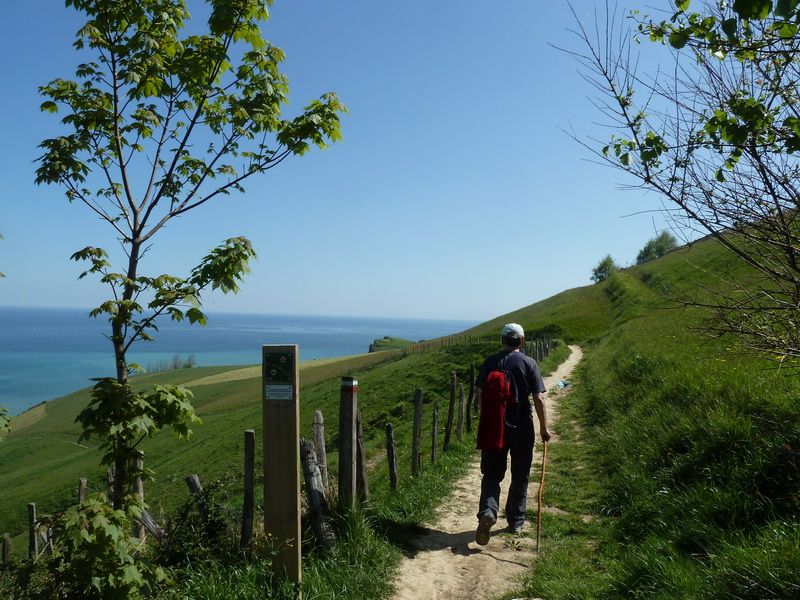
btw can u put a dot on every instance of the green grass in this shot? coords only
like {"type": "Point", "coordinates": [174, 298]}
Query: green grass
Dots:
{"type": "Point", "coordinates": [576, 315]}
{"type": "Point", "coordinates": [697, 446]}
{"type": "Point", "coordinates": [684, 451]}
{"type": "Point", "coordinates": [677, 474]}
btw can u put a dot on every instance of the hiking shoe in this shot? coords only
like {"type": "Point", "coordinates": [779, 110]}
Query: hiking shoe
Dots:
{"type": "Point", "coordinates": [514, 528]}
{"type": "Point", "coordinates": [484, 527]}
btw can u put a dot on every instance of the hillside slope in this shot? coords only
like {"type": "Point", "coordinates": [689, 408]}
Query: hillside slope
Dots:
{"type": "Point", "coordinates": [695, 446]}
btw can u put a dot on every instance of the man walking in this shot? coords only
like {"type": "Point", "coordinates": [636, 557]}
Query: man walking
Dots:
{"type": "Point", "coordinates": [512, 434]}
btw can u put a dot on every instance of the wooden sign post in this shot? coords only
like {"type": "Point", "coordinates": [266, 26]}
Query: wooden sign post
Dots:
{"type": "Point", "coordinates": [281, 408]}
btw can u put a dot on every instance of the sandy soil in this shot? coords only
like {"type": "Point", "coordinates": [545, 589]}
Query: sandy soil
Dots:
{"type": "Point", "coordinates": [447, 564]}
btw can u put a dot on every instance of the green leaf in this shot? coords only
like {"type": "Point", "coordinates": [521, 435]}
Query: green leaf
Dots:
{"type": "Point", "coordinates": [787, 30]}
{"type": "Point", "coordinates": [785, 8]}
{"type": "Point", "coordinates": [752, 9]}
{"type": "Point", "coordinates": [682, 5]}
{"type": "Point", "coordinates": [679, 38]}
{"type": "Point", "coordinates": [730, 27]}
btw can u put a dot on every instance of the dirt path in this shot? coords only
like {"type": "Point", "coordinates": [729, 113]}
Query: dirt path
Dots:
{"type": "Point", "coordinates": [448, 564]}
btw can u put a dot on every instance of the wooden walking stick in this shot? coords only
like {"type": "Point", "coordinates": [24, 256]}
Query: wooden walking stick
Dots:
{"type": "Point", "coordinates": [539, 510]}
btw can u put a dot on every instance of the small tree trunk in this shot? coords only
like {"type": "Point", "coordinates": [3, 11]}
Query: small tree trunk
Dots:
{"type": "Point", "coordinates": [391, 456]}
{"type": "Point", "coordinates": [415, 452]}
{"type": "Point", "coordinates": [138, 489]}
{"type": "Point", "coordinates": [248, 504]}
{"type": "Point", "coordinates": [317, 501]}
{"type": "Point", "coordinates": [6, 548]}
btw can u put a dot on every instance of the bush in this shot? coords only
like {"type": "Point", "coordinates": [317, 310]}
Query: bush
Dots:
{"type": "Point", "coordinates": [603, 269]}
{"type": "Point", "coordinates": [657, 247]}
{"type": "Point", "coordinates": [97, 557]}
{"type": "Point", "coordinates": [199, 530]}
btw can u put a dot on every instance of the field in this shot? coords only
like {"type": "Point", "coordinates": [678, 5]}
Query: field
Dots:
{"type": "Point", "coordinates": [677, 475]}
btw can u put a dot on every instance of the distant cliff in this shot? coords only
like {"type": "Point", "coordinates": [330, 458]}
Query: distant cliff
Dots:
{"type": "Point", "coordinates": [389, 343]}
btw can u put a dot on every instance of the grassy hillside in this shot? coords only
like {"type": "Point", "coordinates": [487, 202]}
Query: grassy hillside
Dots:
{"type": "Point", "coordinates": [698, 487]}
{"type": "Point", "coordinates": [228, 401]}
{"type": "Point", "coordinates": [41, 461]}
{"type": "Point", "coordinates": [678, 471]}
{"type": "Point", "coordinates": [577, 315]}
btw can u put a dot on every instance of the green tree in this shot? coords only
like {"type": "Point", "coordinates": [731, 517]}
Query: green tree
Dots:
{"type": "Point", "coordinates": [657, 247]}
{"type": "Point", "coordinates": [717, 135]}
{"type": "Point", "coordinates": [603, 270]}
{"type": "Point", "coordinates": [157, 123]}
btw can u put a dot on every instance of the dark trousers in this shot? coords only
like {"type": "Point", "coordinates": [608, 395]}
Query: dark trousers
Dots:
{"type": "Point", "coordinates": [519, 443]}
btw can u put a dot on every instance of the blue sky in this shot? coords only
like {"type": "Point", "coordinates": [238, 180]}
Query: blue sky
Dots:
{"type": "Point", "coordinates": [454, 194]}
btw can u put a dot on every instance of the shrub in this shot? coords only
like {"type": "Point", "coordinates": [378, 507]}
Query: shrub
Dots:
{"type": "Point", "coordinates": [657, 247]}
{"type": "Point", "coordinates": [603, 269]}
{"type": "Point", "coordinates": [96, 555]}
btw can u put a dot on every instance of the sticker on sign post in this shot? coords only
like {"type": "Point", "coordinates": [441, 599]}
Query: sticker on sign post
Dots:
{"type": "Point", "coordinates": [278, 391]}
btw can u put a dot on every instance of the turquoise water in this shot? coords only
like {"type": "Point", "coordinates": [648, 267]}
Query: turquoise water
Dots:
{"type": "Point", "coordinates": [47, 353]}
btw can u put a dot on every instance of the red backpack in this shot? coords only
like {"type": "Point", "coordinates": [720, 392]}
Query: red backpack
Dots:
{"type": "Point", "coordinates": [498, 397]}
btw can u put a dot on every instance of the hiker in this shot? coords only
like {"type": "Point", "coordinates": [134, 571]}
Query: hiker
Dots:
{"type": "Point", "coordinates": [506, 426]}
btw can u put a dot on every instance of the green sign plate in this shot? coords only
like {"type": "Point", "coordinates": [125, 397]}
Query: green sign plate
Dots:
{"type": "Point", "coordinates": [278, 368]}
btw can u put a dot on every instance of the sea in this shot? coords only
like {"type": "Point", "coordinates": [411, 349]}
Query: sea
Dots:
{"type": "Point", "coordinates": [46, 353]}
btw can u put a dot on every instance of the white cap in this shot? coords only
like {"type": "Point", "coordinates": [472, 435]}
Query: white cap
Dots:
{"type": "Point", "coordinates": [512, 330]}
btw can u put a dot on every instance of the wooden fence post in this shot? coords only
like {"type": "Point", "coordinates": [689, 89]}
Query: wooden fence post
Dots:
{"type": "Point", "coordinates": [196, 489]}
{"type": "Point", "coordinates": [460, 428]}
{"type": "Point", "coordinates": [248, 503]}
{"type": "Point", "coordinates": [362, 481]}
{"type": "Point", "coordinates": [348, 404]}
{"type": "Point", "coordinates": [6, 548]}
{"type": "Point", "coordinates": [417, 432]}
{"type": "Point", "coordinates": [450, 411]}
{"type": "Point", "coordinates": [33, 541]}
{"type": "Point", "coordinates": [48, 541]}
{"type": "Point", "coordinates": [150, 525]}
{"type": "Point", "coordinates": [435, 431]}
{"type": "Point", "coordinates": [470, 399]}
{"type": "Point", "coordinates": [391, 456]}
{"type": "Point", "coordinates": [138, 490]}
{"type": "Point", "coordinates": [82, 483]}
{"type": "Point", "coordinates": [317, 502]}
{"type": "Point", "coordinates": [473, 404]}
{"type": "Point", "coordinates": [319, 447]}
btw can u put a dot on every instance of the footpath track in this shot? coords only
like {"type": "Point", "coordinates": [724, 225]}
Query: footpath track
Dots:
{"type": "Point", "coordinates": [446, 563]}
